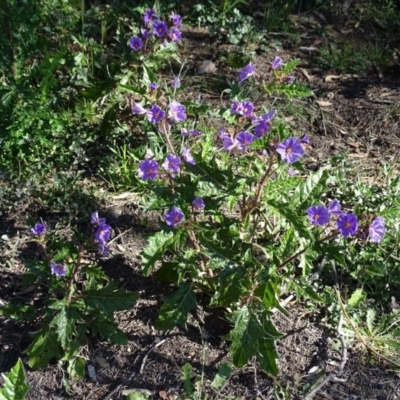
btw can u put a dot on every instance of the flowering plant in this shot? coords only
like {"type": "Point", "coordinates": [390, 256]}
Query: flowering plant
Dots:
{"type": "Point", "coordinates": [81, 298]}
{"type": "Point", "coordinates": [157, 38]}
{"type": "Point", "coordinates": [241, 220]}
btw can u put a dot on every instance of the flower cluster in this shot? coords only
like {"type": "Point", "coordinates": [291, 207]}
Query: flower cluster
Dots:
{"type": "Point", "coordinates": [103, 233]}
{"type": "Point", "coordinates": [346, 223]}
{"type": "Point", "coordinates": [156, 115]}
{"type": "Point", "coordinates": [59, 270]}
{"type": "Point", "coordinates": [155, 27]}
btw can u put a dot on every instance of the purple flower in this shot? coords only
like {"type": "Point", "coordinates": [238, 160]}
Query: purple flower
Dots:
{"type": "Point", "coordinates": [184, 132]}
{"type": "Point", "coordinates": [261, 129]}
{"type": "Point", "coordinates": [138, 109]}
{"type": "Point", "coordinates": [171, 163]}
{"type": "Point", "coordinates": [155, 114]}
{"type": "Point", "coordinates": [177, 111]}
{"type": "Point", "coordinates": [175, 34]}
{"type": "Point", "coordinates": [318, 215]}
{"type": "Point", "coordinates": [153, 86]}
{"type": "Point", "coordinates": [222, 133]}
{"type": "Point", "coordinates": [229, 143]}
{"type": "Point", "coordinates": [146, 34]}
{"type": "Point", "coordinates": [246, 72]}
{"type": "Point", "coordinates": [176, 83]}
{"type": "Point", "coordinates": [187, 156]}
{"type": "Point", "coordinates": [244, 139]}
{"type": "Point", "coordinates": [377, 230]}
{"type": "Point", "coordinates": [38, 229]}
{"type": "Point", "coordinates": [255, 119]}
{"type": "Point", "coordinates": [335, 208]}
{"type": "Point", "coordinates": [176, 19]}
{"type": "Point", "coordinates": [268, 116]}
{"type": "Point", "coordinates": [195, 132]}
{"type": "Point", "coordinates": [289, 79]}
{"type": "Point", "coordinates": [174, 216]}
{"type": "Point", "coordinates": [198, 203]}
{"type": "Point", "coordinates": [136, 43]}
{"type": "Point", "coordinates": [247, 108]}
{"type": "Point", "coordinates": [277, 63]}
{"type": "Point", "coordinates": [304, 139]}
{"type": "Point", "coordinates": [236, 107]}
{"type": "Point", "coordinates": [149, 16]}
{"type": "Point", "coordinates": [290, 150]}
{"type": "Point", "coordinates": [103, 233]}
{"type": "Point", "coordinates": [347, 224]}
{"type": "Point", "coordinates": [293, 172]}
{"type": "Point", "coordinates": [95, 220]}
{"type": "Point", "coordinates": [58, 269]}
{"type": "Point", "coordinates": [148, 169]}
{"type": "Point", "coordinates": [103, 249]}
{"type": "Point", "coordinates": [160, 28]}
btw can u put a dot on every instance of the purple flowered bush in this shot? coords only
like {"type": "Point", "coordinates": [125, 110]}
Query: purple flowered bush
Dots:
{"type": "Point", "coordinates": [156, 30]}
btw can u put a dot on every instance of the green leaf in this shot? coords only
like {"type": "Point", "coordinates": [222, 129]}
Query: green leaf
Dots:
{"type": "Point", "coordinates": [222, 375]}
{"type": "Point", "coordinates": [254, 335]}
{"type": "Point", "coordinates": [233, 283]}
{"type": "Point", "coordinates": [76, 367]}
{"type": "Point", "coordinates": [209, 171]}
{"type": "Point", "coordinates": [237, 253]}
{"type": "Point", "coordinates": [187, 373]}
{"type": "Point", "coordinates": [18, 312]}
{"type": "Point", "coordinates": [43, 348]}
{"type": "Point", "coordinates": [65, 321]}
{"type": "Point", "coordinates": [356, 298]}
{"type": "Point", "coordinates": [108, 299]}
{"type": "Point", "coordinates": [267, 292]}
{"type": "Point", "coordinates": [137, 396]}
{"type": "Point", "coordinates": [290, 215]}
{"type": "Point", "coordinates": [15, 387]}
{"type": "Point", "coordinates": [169, 272]}
{"type": "Point", "coordinates": [176, 307]}
{"type": "Point", "coordinates": [109, 330]}
{"type": "Point", "coordinates": [309, 191]}
{"type": "Point", "coordinates": [94, 271]}
{"type": "Point", "coordinates": [156, 248]}
{"type": "Point", "coordinates": [148, 75]}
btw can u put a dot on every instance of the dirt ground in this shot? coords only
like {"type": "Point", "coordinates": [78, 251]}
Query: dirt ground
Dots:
{"type": "Point", "coordinates": [354, 113]}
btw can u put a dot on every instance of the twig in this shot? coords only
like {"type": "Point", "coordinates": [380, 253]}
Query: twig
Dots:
{"type": "Point", "coordinates": [118, 236]}
{"type": "Point", "coordinates": [125, 381]}
{"type": "Point", "coordinates": [150, 351]}
{"type": "Point", "coordinates": [333, 375]}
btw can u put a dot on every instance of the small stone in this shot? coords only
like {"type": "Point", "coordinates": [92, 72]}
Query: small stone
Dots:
{"type": "Point", "coordinates": [207, 67]}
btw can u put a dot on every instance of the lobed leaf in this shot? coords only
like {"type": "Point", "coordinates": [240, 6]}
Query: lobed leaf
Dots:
{"type": "Point", "coordinates": [254, 335]}
{"type": "Point", "coordinates": [158, 244]}
{"type": "Point", "coordinates": [15, 387]}
{"type": "Point", "coordinates": [108, 299]}
{"type": "Point", "coordinates": [310, 191]}
{"type": "Point", "coordinates": [176, 307]}
{"type": "Point", "coordinates": [43, 348]}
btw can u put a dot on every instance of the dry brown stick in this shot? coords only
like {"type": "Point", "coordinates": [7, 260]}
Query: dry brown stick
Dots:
{"type": "Point", "coordinates": [339, 370]}
{"type": "Point", "coordinates": [108, 397]}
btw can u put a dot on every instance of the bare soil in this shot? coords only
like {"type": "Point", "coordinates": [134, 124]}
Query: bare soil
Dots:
{"type": "Point", "coordinates": [357, 114]}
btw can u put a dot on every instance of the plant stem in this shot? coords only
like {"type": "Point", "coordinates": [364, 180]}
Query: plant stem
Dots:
{"type": "Point", "coordinates": [299, 253]}
{"type": "Point", "coordinates": [167, 138]}
{"type": "Point", "coordinates": [261, 185]}
{"type": "Point", "coordinates": [72, 277]}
